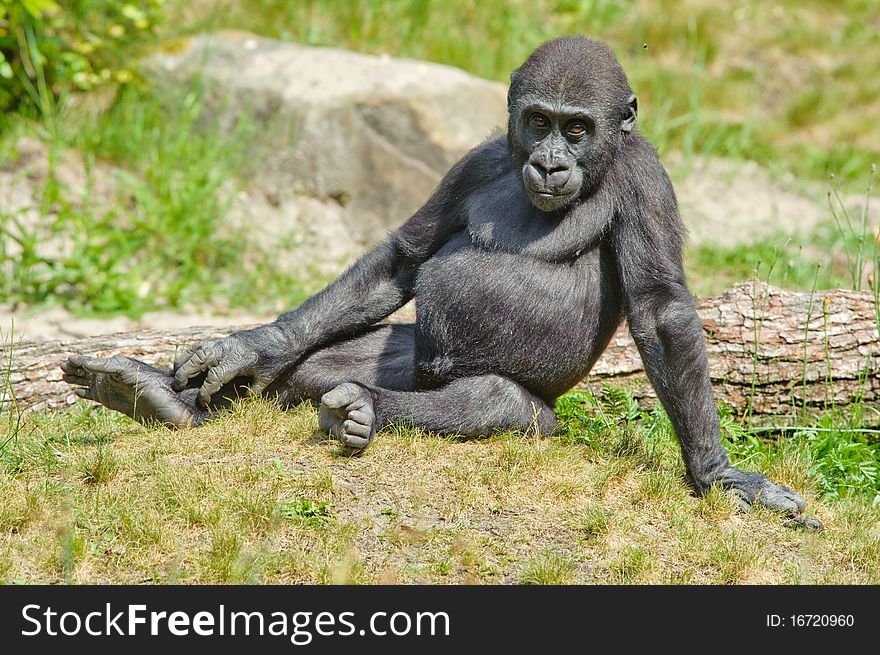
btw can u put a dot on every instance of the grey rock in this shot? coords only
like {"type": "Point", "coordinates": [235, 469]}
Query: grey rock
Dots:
{"type": "Point", "coordinates": [372, 133]}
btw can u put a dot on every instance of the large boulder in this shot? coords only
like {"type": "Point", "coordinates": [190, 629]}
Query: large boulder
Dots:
{"type": "Point", "coordinates": [373, 133]}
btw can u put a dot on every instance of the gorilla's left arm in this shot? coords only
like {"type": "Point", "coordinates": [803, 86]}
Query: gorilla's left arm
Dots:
{"type": "Point", "coordinates": [377, 284]}
{"type": "Point", "coordinates": [647, 234]}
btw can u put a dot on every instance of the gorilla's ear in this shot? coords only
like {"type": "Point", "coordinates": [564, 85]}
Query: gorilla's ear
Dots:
{"type": "Point", "coordinates": [632, 112]}
{"type": "Point", "coordinates": [513, 80]}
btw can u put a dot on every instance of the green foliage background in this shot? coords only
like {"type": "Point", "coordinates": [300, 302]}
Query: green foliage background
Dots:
{"type": "Point", "coordinates": [49, 49]}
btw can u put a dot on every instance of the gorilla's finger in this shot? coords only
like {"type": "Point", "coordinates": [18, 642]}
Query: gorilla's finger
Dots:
{"type": "Point", "coordinates": [70, 371]}
{"type": "Point", "coordinates": [202, 359]}
{"type": "Point", "coordinates": [779, 498]}
{"type": "Point", "coordinates": [75, 360]}
{"type": "Point", "coordinates": [353, 441]}
{"type": "Point", "coordinates": [182, 355]}
{"type": "Point", "coordinates": [741, 499]}
{"type": "Point", "coordinates": [216, 378]}
{"type": "Point", "coordinates": [69, 367]}
{"type": "Point", "coordinates": [85, 393]}
{"type": "Point", "coordinates": [185, 354]}
{"type": "Point", "coordinates": [357, 429]}
{"type": "Point", "coordinates": [97, 365]}
{"type": "Point", "coordinates": [75, 379]}
{"type": "Point", "coordinates": [259, 384]}
{"type": "Point", "coordinates": [809, 523]}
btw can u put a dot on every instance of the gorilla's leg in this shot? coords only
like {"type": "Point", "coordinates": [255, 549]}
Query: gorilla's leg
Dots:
{"type": "Point", "coordinates": [136, 389]}
{"type": "Point", "coordinates": [380, 356]}
{"type": "Point", "coordinates": [474, 406]}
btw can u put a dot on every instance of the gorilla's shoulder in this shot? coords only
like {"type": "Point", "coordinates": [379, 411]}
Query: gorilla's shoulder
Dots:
{"type": "Point", "coordinates": [637, 168]}
{"type": "Point", "coordinates": [638, 154]}
{"type": "Point", "coordinates": [489, 159]}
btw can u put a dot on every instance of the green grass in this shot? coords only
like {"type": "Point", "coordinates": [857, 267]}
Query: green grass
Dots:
{"type": "Point", "coordinates": [813, 261]}
{"type": "Point", "coordinates": [548, 568]}
{"type": "Point", "coordinates": [158, 241]}
{"type": "Point", "coordinates": [254, 497]}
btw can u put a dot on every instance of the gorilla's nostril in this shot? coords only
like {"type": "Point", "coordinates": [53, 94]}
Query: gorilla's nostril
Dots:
{"type": "Point", "coordinates": [535, 175]}
{"type": "Point", "coordinates": [540, 170]}
{"type": "Point", "coordinates": [558, 177]}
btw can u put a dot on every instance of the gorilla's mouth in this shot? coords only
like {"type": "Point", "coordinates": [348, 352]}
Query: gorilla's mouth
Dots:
{"type": "Point", "coordinates": [548, 197]}
{"type": "Point", "coordinates": [547, 200]}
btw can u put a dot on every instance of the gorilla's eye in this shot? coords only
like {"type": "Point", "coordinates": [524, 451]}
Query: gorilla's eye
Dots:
{"type": "Point", "coordinates": [576, 128]}
{"type": "Point", "coordinates": [539, 121]}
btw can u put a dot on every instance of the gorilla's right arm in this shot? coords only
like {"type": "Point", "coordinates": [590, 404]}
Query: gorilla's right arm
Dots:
{"type": "Point", "coordinates": [377, 284]}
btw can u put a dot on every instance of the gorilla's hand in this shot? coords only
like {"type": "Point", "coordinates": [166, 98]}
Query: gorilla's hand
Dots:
{"type": "Point", "coordinates": [749, 488]}
{"type": "Point", "coordinates": [260, 354]}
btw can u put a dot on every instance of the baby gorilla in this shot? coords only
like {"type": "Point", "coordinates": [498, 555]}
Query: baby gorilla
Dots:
{"type": "Point", "coordinates": [524, 261]}
{"type": "Point", "coordinates": [146, 394]}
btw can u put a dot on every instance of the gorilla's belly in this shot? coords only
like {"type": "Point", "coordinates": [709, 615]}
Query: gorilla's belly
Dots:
{"type": "Point", "coordinates": [539, 323]}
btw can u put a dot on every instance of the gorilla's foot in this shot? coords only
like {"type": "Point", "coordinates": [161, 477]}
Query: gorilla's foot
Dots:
{"type": "Point", "coordinates": [136, 389]}
{"type": "Point", "coordinates": [347, 413]}
{"type": "Point", "coordinates": [749, 488]}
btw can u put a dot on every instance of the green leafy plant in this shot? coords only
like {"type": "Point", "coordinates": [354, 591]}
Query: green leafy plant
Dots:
{"type": "Point", "coordinates": [156, 243]}
{"type": "Point", "coordinates": [308, 512]}
{"type": "Point", "coordinates": [49, 48]}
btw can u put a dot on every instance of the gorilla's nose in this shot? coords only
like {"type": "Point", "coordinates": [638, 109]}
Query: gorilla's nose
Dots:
{"type": "Point", "coordinates": [551, 178]}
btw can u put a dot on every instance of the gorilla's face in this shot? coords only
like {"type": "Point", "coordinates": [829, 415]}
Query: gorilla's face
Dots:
{"type": "Point", "coordinates": [557, 139]}
{"type": "Point", "coordinates": [570, 107]}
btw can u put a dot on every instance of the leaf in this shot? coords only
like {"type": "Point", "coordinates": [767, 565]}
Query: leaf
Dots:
{"type": "Point", "coordinates": [36, 7]}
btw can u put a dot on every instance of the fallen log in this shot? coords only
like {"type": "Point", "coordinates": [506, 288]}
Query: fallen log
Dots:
{"type": "Point", "coordinates": [771, 352]}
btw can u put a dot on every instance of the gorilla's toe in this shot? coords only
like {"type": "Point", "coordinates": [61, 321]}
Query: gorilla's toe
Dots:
{"type": "Point", "coordinates": [342, 396]}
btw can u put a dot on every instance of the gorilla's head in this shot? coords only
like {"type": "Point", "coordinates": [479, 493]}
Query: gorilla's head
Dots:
{"type": "Point", "coordinates": [570, 108]}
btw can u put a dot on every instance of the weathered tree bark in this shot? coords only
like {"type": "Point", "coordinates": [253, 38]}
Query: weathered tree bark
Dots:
{"type": "Point", "coordinates": [772, 352]}
{"type": "Point", "coordinates": [776, 353]}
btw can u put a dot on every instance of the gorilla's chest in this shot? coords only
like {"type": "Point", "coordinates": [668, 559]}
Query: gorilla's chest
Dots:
{"type": "Point", "coordinates": [493, 285]}
{"type": "Point", "coordinates": [500, 218]}
{"type": "Point", "coordinates": [515, 266]}
{"type": "Point", "coordinates": [481, 310]}
{"type": "Point", "coordinates": [518, 292]}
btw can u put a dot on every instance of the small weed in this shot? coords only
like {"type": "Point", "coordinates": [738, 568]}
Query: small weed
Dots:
{"type": "Point", "coordinates": [307, 512]}
{"type": "Point", "coordinates": [72, 548]}
{"type": "Point", "coordinates": [734, 557]}
{"type": "Point", "coordinates": [20, 507]}
{"type": "Point", "coordinates": [592, 524]}
{"type": "Point", "coordinates": [99, 467]}
{"type": "Point", "coordinates": [629, 566]}
{"type": "Point", "coordinates": [223, 553]}
{"type": "Point", "coordinates": [548, 568]}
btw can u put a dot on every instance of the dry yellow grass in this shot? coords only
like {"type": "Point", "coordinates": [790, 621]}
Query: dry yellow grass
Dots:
{"type": "Point", "coordinates": [257, 496]}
